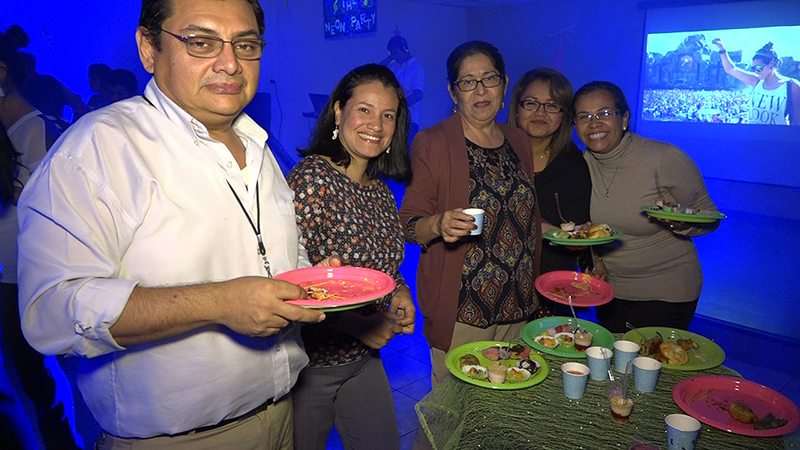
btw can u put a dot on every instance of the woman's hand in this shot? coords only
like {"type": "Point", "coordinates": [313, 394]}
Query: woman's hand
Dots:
{"type": "Point", "coordinates": [718, 43]}
{"type": "Point", "coordinates": [401, 310]}
{"type": "Point", "coordinates": [455, 224]}
{"type": "Point", "coordinates": [599, 270]}
{"type": "Point", "coordinates": [375, 331]}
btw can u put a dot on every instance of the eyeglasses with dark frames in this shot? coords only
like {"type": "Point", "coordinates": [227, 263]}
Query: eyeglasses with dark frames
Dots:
{"type": "Point", "coordinates": [202, 46]}
{"type": "Point", "coordinates": [758, 68]}
{"type": "Point", "coordinates": [602, 115]}
{"type": "Point", "coordinates": [487, 82]}
{"type": "Point", "coordinates": [533, 106]}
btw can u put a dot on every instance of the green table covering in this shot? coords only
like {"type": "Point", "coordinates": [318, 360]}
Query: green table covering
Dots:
{"type": "Point", "coordinates": [459, 415]}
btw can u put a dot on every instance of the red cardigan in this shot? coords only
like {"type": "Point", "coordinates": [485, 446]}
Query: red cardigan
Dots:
{"type": "Point", "coordinates": [440, 183]}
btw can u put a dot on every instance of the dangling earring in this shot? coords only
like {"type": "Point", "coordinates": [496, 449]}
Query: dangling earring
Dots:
{"type": "Point", "coordinates": [335, 133]}
{"type": "Point", "coordinates": [502, 105]}
{"type": "Point", "coordinates": [388, 149]}
{"type": "Point", "coordinates": [455, 108]}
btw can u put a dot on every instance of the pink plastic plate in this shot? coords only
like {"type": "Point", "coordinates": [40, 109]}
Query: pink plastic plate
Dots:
{"type": "Point", "coordinates": [707, 399]}
{"type": "Point", "coordinates": [585, 289]}
{"type": "Point", "coordinates": [347, 287]}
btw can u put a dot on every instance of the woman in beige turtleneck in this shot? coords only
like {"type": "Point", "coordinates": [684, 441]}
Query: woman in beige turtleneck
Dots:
{"type": "Point", "coordinates": [653, 267]}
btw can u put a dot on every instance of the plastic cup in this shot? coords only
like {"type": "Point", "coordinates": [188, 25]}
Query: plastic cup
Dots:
{"type": "Point", "coordinates": [645, 373]}
{"type": "Point", "coordinates": [624, 352]}
{"type": "Point", "coordinates": [477, 213]}
{"type": "Point", "coordinates": [682, 432]}
{"type": "Point", "coordinates": [599, 360]}
{"type": "Point", "coordinates": [621, 408]}
{"type": "Point", "coordinates": [574, 376]}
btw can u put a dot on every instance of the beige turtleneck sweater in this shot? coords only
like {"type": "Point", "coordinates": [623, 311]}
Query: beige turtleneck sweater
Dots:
{"type": "Point", "coordinates": [650, 261]}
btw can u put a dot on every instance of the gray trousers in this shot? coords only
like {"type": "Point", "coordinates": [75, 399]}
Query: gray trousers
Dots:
{"type": "Point", "coordinates": [356, 397]}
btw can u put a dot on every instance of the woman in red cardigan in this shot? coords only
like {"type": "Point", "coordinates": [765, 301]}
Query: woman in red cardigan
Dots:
{"type": "Point", "coordinates": [473, 288]}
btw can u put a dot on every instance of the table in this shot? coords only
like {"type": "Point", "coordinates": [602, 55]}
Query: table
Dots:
{"type": "Point", "coordinates": [458, 415]}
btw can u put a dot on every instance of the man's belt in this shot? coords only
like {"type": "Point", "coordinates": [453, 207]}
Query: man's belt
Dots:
{"type": "Point", "coordinates": [247, 415]}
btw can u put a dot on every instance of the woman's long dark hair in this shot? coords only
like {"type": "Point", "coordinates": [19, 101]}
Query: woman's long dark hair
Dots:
{"type": "Point", "coordinates": [9, 165]}
{"type": "Point", "coordinates": [393, 164]}
{"type": "Point", "coordinates": [560, 91]}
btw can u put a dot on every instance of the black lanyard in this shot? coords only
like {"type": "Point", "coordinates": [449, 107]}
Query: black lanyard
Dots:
{"type": "Point", "coordinates": [256, 229]}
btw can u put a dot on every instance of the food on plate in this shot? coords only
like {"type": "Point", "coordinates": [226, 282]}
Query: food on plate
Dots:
{"type": "Point", "coordinates": [529, 365]}
{"type": "Point", "coordinates": [546, 341]}
{"type": "Point", "coordinates": [599, 231]}
{"type": "Point", "coordinates": [582, 288]}
{"type": "Point", "coordinates": [469, 360]}
{"type": "Point", "coordinates": [688, 344]}
{"type": "Point", "coordinates": [650, 346]}
{"type": "Point", "coordinates": [492, 353]}
{"type": "Point", "coordinates": [517, 375]}
{"type": "Point", "coordinates": [520, 351]}
{"type": "Point", "coordinates": [317, 293]}
{"type": "Point", "coordinates": [476, 372]}
{"type": "Point", "coordinates": [741, 412]}
{"type": "Point", "coordinates": [701, 395]}
{"type": "Point", "coordinates": [671, 207]}
{"type": "Point", "coordinates": [672, 353]}
{"type": "Point", "coordinates": [583, 340]}
{"type": "Point", "coordinates": [770, 422]}
{"type": "Point", "coordinates": [565, 339]}
{"type": "Point", "coordinates": [497, 373]}
{"type": "Point", "coordinates": [583, 231]}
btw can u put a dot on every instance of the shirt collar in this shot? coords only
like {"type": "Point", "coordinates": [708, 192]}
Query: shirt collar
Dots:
{"type": "Point", "coordinates": [243, 124]}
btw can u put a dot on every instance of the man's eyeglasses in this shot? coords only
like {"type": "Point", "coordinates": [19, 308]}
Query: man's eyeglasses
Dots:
{"type": "Point", "coordinates": [533, 105]}
{"type": "Point", "coordinates": [211, 46]}
{"type": "Point", "coordinates": [602, 115]}
{"type": "Point", "coordinates": [487, 82]}
{"type": "Point", "coordinates": [758, 67]}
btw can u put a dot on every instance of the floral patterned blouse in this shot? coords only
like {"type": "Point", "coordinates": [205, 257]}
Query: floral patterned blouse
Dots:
{"type": "Point", "coordinates": [337, 215]}
{"type": "Point", "coordinates": [497, 277]}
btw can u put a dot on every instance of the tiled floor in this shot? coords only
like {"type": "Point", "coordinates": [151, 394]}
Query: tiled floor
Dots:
{"type": "Point", "coordinates": [762, 358]}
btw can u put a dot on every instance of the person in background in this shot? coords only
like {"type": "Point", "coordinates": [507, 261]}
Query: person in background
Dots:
{"type": "Point", "coordinates": [410, 74]}
{"type": "Point", "coordinates": [121, 84]}
{"type": "Point", "coordinates": [30, 135]}
{"type": "Point", "coordinates": [46, 94]}
{"type": "Point", "coordinates": [776, 98]}
{"type": "Point", "coordinates": [15, 430]}
{"type": "Point", "coordinates": [542, 102]}
{"type": "Point", "coordinates": [340, 197]}
{"type": "Point", "coordinates": [653, 267]}
{"type": "Point", "coordinates": [148, 239]}
{"type": "Point", "coordinates": [473, 288]}
{"type": "Point", "coordinates": [97, 83]}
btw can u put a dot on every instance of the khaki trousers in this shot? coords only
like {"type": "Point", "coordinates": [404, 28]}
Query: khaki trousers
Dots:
{"type": "Point", "coordinates": [271, 429]}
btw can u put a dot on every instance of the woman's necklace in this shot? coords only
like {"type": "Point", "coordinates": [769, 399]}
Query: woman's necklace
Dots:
{"type": "Point", "coordinates": [546, 154]}
{"type": "Point", "coordinates": [602, 178]}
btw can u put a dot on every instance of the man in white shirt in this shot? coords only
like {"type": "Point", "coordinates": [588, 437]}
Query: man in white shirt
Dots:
{"type": "Point", "coordinates": [410, 74]}
{"type": "Point", "coordinates": [141, 246]}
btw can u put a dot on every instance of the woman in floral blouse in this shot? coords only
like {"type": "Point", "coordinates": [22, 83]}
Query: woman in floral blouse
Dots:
{"type": "Point", "coordinates": [344, 207]}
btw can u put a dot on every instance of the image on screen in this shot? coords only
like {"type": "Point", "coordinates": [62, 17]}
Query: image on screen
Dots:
{"type": "Point", "coordinates": [685, 80]}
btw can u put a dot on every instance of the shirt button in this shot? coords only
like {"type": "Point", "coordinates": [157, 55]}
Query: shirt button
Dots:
{"type": "Point", "coordinates": [230, 164]}
{"type": "Point", "coordinates": [196, 142]}
{"type": "Point", "coordinates": [278, 348]}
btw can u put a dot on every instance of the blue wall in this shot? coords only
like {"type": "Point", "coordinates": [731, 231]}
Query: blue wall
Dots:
{"type": "Point", "coordinates": [750, 263]}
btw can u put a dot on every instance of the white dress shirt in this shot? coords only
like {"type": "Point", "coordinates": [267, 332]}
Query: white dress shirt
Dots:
{"type": "Point", "coordinates": [136, 194]}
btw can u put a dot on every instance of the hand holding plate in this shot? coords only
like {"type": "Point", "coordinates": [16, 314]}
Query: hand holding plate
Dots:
{"type": "Point", "coordinates": [255, 306]}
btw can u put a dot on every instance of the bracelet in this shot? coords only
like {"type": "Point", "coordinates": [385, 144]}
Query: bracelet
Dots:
{"type": "Point", "coordinates": [722, 52]}
{"type": "Point", "coordinates": [411, 231]}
